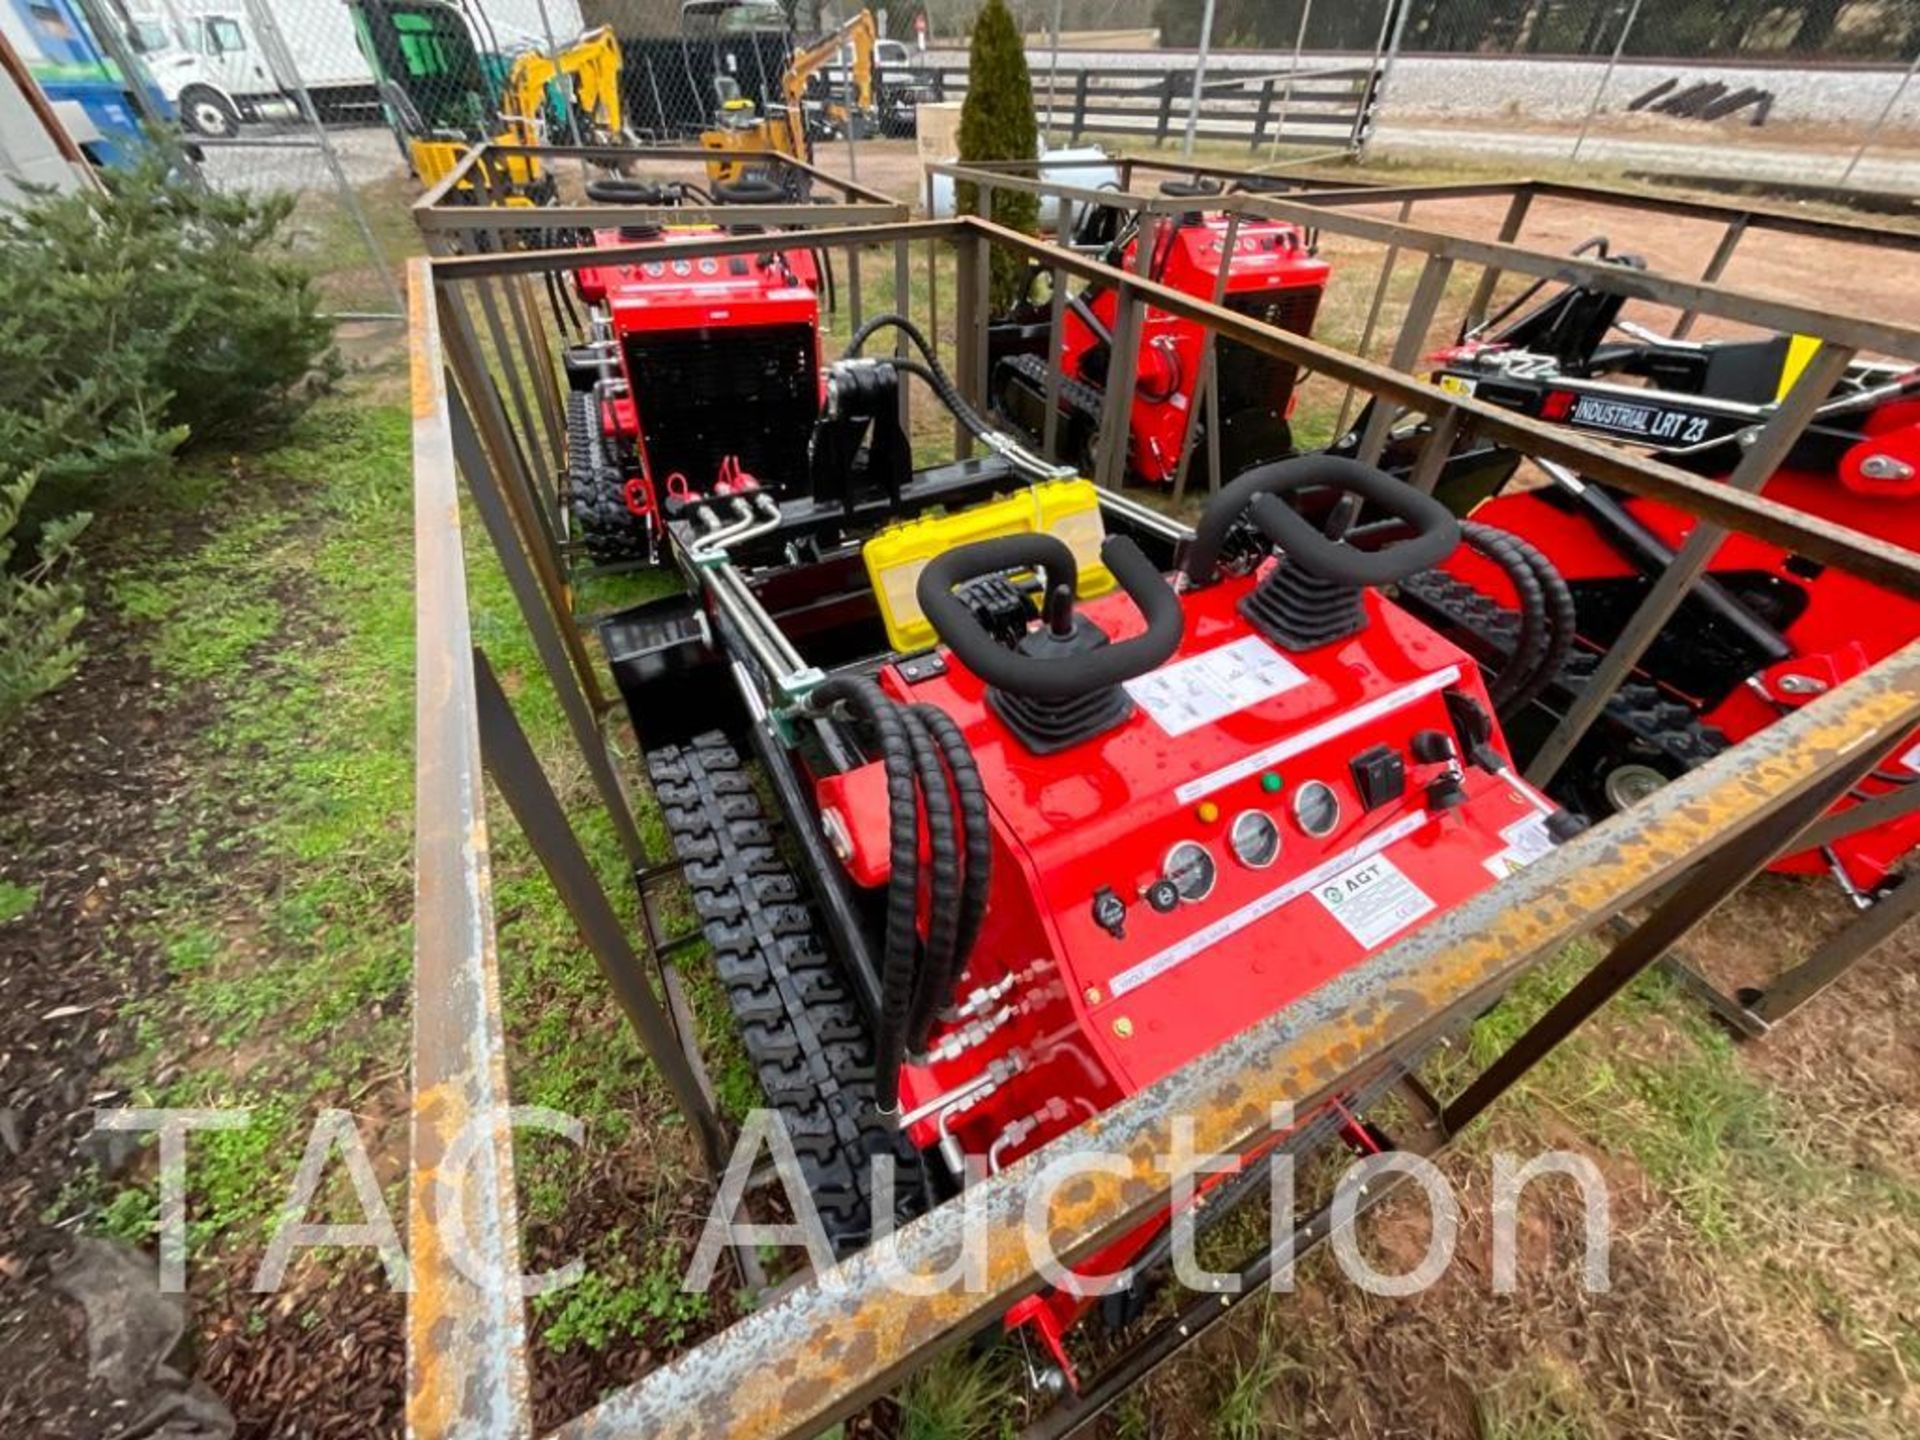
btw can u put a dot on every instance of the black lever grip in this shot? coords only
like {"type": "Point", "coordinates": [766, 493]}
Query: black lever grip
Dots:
{"type": "Point", "coordinates": [1436, 531]}
{"type": "Point", "coordinates": [1061, 678]}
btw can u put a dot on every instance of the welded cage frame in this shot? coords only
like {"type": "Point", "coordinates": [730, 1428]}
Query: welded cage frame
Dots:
{"type": "Point", "coordinates": [451, 221]}
{"type": "Point", "coordinates": [1319, 204]}
{"type": "Point", "coordinates": [816, 1352]}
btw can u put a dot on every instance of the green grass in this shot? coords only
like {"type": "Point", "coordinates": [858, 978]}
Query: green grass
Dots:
{"type": "Point", "coordinates": [284, 627]}
{"type": "Point", "coordinates": [16, 900]}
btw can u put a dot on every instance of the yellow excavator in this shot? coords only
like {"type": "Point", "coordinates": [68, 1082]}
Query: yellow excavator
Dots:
{"type": "Point", "coordinates": [784, 129]}
{"type": "Point", "coordinates": [444, 93]}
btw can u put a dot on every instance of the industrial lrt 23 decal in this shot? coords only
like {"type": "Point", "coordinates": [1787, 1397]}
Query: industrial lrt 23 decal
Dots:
{"type": "Point", "coordinates": [1642, 422]}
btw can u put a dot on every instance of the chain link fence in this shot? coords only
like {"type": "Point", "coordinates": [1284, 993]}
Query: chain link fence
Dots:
{"type": "Point", "coordinates": [1817, 94]}
{"type": "Point", "coordinates": [281, 94]}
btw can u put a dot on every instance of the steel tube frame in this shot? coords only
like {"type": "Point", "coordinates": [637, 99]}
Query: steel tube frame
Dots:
{"type": "Point", "coordinates": [1860, 331]}
{"type": "Point", "coordinates": [817, 1353]}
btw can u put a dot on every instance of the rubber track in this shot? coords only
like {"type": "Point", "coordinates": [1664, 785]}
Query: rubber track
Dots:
{"type": "Point", "coordinates": [1080, 398]}
{"type": "Point", "coordinates": [804, 1031]}
{"type": "Point", "coordinates": [1638, 708]}
{"type": "Point", "coordinates": [596, 496]}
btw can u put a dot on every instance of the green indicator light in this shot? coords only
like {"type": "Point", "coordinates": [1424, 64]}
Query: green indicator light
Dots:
{"type": "Point", "coordinates": [1271, 782]}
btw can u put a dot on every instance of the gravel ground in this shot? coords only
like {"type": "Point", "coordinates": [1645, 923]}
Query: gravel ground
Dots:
{"type": "Point", "coordinates": [273, 157]}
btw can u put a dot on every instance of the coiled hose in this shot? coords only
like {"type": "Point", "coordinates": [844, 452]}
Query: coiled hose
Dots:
{"type": "Point", "coordinates": [930, 770]}
{"type": "Point", "coordinates": [901, 944]}
{"type": "Point", "coordinates": [943, 910]}
{"type": "Point", "coordinates": [977, 867]}
{"type": "Point", "coordinates": [1547, 615]}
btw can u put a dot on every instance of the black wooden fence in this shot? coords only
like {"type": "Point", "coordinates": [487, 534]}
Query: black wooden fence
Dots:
{"type": "Point", "coordinates": [1316, 106]}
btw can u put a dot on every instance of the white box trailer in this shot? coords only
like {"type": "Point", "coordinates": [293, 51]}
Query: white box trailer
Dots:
{"type": "Point", "coordinates": [214, 63]}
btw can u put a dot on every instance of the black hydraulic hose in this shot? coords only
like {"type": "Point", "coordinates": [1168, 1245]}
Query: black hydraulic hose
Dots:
{"type": "Point", "coordinates": [932, 371]}
{"type": "Point", "coordinates": [1562, 620]}
{"type": "Point", "coordinates": [898, 965]}
{"type": "Point", "coordinates": [943, 878]}
{"type": "Point", "coordinates": [1530, 647]}
{"type": "Point", "coordinates": [976, 840]}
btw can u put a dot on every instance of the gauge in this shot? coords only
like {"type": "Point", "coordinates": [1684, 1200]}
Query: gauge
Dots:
{"type": "Point", "coordinates": [1191, 869]}
{"type": "Point", "coordinates": [683, 267]}
{"type": "Point", "coordinates": [709, 266]}
{"type": "Point", "coordinates": [1316, 808]}
{"type": "Point", "coordinates": [1255, 839]}
{"type": "Point", "coordinates": [654, 268]}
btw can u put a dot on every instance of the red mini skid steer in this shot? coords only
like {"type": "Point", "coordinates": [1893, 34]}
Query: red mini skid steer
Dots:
{"type": "Point", "coordinates": [1069, 792]}
{"type": "Point", "coordinates": [1272, 276]}
{"type": "Point", "coordinates": [1766, 631]}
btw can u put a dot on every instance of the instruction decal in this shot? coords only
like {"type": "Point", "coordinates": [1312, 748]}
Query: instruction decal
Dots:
{"type": "Point", "coordinates": [1195, 692]}
{"type": "Point", "coordinates": [1526, 841]}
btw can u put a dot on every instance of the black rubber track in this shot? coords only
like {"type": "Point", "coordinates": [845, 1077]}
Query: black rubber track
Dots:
{"type": "Point", "coordinates": [1491, 632]}
{"type": "Point", "coordinates": [596, 498]}
{"type": "Point", "coordinates": [804, 1031]}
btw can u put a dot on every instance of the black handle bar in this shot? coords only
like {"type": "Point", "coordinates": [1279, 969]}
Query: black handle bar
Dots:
{"type": "Point", "coordinates": [1436, 532]}
{"type": "Point", "coordinates": [1061, 678]}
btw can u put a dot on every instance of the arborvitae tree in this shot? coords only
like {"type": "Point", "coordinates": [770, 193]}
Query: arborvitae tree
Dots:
{"type": "Point", "coordinates": [996, 123]}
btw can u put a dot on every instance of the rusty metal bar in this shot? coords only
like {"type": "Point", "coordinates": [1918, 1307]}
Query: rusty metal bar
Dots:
{"type": "Point", "coordinates": [466, 1333]}
{"type": "Point", "coordinates": [1408, 347]}
{"type": "Point", "coordinates": [1510, 227]}
{"type": "Point", "coordinates": [969, 304]}
{"type": "Point", "coordinates": [548, 628]}
{"type": "Point", "coordinates": [1381, 287]}
{"type": "Point", "coordinates": [820, 1352]}
{"type": "Point", "coordinates": [510, 760]}
{"type": "Point", "coordinates": [537, 340]}
{"type": "Point", "coordinates": [1203, 383]}
{"type": "Point", "coordinates": [1879, 810]}
{"type": "Point", "coordinates": [1765, 455]}
{"type": "Point", "coordinates": [1056, 317]}
{"type": "Point", "coordinates": [1123, 367]}
{"type": "Point", "coordinates": [1716, 267]}
{"type": "Point", "coordinates": [1709, 886]}
{"type": "Point", "coordinates": [1860, 332]}
{"type": "Point", "coordinates": [507, 378]}
{"type": "Point", "coordinates": [541, 546]}
{"type": "Point", "coordinates": [1838, 954]}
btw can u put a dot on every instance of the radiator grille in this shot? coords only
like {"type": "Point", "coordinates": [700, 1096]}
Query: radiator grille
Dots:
{"type": "Point", "coordinates": [1249, 379]}
{"type": "Point", "coordinates": [748, 391]}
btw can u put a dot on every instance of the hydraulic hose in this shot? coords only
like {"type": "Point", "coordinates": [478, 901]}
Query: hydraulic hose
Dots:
{"type": "Point", "coordinates": [976, 843]}
{"type": "Point", "coordinates": [943, 877]}
{"type": "Point", "coordinates": [898, 965]}
{"type": "Point", "coordinates": [1562, 620]}
{"type": "Point", "coordinates": [1530, 647]}
{"type": "Point", "coordinates": [1546, 616]}
{"type": "Point", "coordinates": [948, 394]}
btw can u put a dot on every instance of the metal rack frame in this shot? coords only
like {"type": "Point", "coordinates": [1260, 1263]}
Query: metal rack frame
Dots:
{"type": "Point", "coordinates": [1752, 1010]}
{"type": "Point", "coordinates": [816, 1352]}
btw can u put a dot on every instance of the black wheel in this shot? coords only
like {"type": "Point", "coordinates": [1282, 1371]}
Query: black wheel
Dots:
{"type": "Point", "coordinates": [207, 112]}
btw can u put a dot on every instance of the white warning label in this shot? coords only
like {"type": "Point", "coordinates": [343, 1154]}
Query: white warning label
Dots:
{"type": "Point", "coordinates": [1196, 692]}
{"type": "Point", "coordinates": [1373, 901]}
{"type": "Point", "coordinates": [1526, 841]}
{"type": "Point", "coordinates": [1911, 759]}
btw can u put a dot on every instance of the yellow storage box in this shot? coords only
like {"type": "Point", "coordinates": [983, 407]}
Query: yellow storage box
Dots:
{"type": "Point", "coordinates": [1068, 510]}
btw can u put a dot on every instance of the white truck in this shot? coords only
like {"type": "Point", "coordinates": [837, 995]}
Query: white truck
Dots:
{"type": "Point", "coordinates": [211, 61]}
